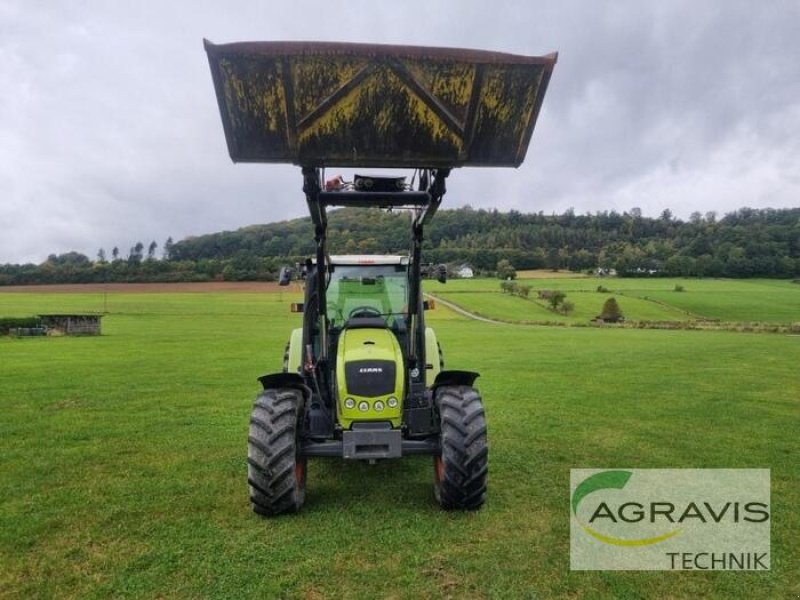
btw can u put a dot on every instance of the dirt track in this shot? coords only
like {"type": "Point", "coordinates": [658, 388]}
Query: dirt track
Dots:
{"type": "Point", "coordinates": [152, 288]}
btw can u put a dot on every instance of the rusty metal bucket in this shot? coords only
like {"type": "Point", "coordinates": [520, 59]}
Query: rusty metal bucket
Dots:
{"type": "Point", "coordinates": [358, 105]}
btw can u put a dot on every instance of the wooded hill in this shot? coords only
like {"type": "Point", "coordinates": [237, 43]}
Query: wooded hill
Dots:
{"type": "Point", "coordinates": [745, 243]}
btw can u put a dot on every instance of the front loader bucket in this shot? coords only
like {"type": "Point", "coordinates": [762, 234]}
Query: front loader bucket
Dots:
{"type": "Point", "coordinates": [359, 105]}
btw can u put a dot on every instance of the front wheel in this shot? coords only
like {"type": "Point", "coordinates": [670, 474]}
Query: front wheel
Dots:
{"type": "Point", "coordinates": [276, 473]}
{"type": "Point", "coordinates": [461, 470]}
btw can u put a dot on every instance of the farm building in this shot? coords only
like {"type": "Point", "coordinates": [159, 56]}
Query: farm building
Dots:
{"type": "Point", "coordinates": [465, 272]}
{"type": "Point", "coordinates": [84, 324]}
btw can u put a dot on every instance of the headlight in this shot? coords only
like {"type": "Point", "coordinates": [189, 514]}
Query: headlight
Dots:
{"type": "Point", "coordinates": [378, 406]}
{"type": "Point", "coordinates": [363, 406]}
{"type": "Point", "coordinates": [349, 403]}
{"type": "Point", "coordinates": [392, 402]}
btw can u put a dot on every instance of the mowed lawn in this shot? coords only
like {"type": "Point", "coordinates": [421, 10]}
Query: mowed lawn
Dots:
{"type": "Point", "coordinates": [123, 458]}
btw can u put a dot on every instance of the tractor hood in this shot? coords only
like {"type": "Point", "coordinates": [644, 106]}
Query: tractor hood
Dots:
{"type": "Point", "coordinates": [362, 105]}
{"type": "Point", "coordinates": [369, 370]}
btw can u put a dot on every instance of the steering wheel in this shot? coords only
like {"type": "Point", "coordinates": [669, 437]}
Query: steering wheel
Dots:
{"type": "Point", "coordinates": [364, 311]}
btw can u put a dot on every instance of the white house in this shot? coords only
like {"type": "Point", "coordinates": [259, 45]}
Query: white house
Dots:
{"type": "Point", "coordinates": [465, 272]}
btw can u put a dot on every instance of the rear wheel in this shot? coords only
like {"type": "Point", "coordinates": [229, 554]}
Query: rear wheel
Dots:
{"type": "Point", "coordinates": [460, 472]}
{"type": "Point", "coordinates": [275, 471]}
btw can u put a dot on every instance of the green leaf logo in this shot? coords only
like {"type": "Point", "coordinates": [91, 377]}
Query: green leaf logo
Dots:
{"type": "Point", "coordinates": [603, 481]}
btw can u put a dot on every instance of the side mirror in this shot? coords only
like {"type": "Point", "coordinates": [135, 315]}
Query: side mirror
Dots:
{"type": "Point", "coordinates": [285, 276]}
{"type": "Point", "coordinates": [441, 274]}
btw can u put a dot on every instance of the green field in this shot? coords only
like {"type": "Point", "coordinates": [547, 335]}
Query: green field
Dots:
{"type": "Point", "coordinates": [123, 456]}
{"type": "Point", "coordinates": [728, 301]}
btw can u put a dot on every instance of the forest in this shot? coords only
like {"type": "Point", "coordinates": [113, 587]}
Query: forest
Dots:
{"type": "Point", "coordinates": [741, 244]}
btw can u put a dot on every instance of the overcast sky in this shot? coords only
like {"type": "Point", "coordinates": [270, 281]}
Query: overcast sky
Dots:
{"type": "Point", "coordinates": [110, 132]}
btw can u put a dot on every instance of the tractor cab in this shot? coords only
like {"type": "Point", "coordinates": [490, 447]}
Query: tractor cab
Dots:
{"type": "Point", "coordinates": [367, 307]}
{"type": "Point", "coordinates": [374, 288]}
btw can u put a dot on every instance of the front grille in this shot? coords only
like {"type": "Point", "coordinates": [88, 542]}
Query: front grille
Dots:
{"type": "Point", "coordinates": [370, 378]}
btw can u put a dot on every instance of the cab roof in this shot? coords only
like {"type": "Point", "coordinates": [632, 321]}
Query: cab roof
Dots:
{"type": "Point", "coordinates": [368, 259]}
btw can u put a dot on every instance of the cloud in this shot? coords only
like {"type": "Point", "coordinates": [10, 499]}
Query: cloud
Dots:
{"type": "Point", "coordinates": [110, 134]}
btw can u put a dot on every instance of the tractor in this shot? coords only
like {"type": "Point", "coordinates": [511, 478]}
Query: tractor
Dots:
{"type": "Point", "coordinates": [363, 378]}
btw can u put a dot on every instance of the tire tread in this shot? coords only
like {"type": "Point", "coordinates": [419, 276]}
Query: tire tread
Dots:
{"type": "Point", "coordinates": [465, 451]}
{"type": "Point", "coordinates": [272, 453]}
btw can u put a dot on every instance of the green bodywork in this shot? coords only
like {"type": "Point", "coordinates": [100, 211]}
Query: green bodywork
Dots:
{"type": "Point", "coordinates": [432, 358]}
{"type": "Point", "coordinates": [295, 362]}
{"type": "Point", "coordinates": [383, 289]}
{"type": "Point", "coordinates": [431, 352]}
{"type": "Point", "coordinates": [369, 344]}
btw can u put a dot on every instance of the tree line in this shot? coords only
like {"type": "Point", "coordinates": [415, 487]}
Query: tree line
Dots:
{"type": "Point", "coordinates": [744, 243]}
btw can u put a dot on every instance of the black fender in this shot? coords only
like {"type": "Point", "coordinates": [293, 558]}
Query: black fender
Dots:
{"type": "Point", "coordinates": [454, 378]}
{"type": "Point", "coordinates": [285, 380]}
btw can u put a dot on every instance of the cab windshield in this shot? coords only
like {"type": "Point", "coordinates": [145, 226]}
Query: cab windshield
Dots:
{"type": "Point", "coordinates": [367, 290]}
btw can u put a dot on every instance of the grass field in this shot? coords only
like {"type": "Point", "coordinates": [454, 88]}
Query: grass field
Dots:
{"type": "Point", "coordinates": [123, 456]}
{"type": "Point", "coordinates": [739, 301]}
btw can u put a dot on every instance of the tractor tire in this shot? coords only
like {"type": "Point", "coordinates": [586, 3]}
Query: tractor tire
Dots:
{"type": "Point", "coordinates": [460, 472]}
{"type": "Point", "coordinates": [275, 473]}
